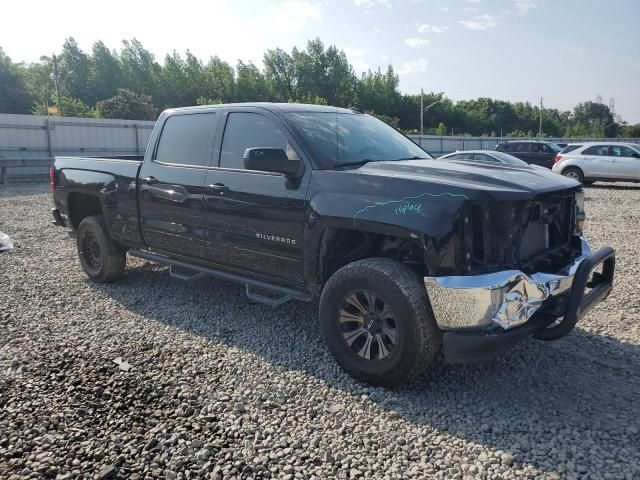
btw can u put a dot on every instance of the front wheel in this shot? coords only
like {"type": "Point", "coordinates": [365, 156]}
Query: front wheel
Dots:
{"type": "Point", "coordinates": [102, 259]}
{"type": "Point", "coordinates": [377, 322]}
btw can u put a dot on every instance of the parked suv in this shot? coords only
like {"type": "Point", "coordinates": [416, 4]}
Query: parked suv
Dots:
{"type": "Point", "coordinates": [531, 151]}
{"type": "Point", "coordinates": [592, 161]}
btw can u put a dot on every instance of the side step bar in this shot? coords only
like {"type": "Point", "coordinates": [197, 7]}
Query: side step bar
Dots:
{"type": "Point", "coordinates": [285, 292]}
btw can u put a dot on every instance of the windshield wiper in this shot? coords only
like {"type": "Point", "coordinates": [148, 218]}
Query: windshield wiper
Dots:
{"type": "Point", "coordinates": [411, 158]}
{"type": "Point", "coordinates": [357, 164]}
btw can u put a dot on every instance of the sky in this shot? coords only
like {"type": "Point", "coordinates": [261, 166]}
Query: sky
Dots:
{"type": "Point", "coordinates": [566, 51]}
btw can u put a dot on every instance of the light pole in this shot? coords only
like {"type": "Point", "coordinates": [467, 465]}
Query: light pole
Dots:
{"type": "Point", "coordinates": [424, 109]}
{"type": "Point", "coordinates": [57, 82]}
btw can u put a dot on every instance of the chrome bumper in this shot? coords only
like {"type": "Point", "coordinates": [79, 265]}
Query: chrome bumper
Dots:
{"type": "Point", "coordinates": [505, 299]}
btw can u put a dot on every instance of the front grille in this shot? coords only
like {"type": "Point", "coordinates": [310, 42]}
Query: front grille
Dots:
{"type": "Point", "coordinates": [533, 235]}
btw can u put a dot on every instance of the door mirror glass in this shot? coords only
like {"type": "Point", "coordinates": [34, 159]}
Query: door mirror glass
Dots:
{"type": "Point", "coordinates": [270, 160]}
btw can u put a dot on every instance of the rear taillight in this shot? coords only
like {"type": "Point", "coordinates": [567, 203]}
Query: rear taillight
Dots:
{"type": "Point", "coordinates": [557, 159]}
{"type": "Point", "coordinates": [52, 180]}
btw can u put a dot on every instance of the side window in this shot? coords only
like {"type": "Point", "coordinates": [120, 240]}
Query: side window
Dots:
{"type": "Point", "coordinates": [600, 150]}
{"type": "Point", "coordinates": [521, 147]}
{"type": "Point", "coordinates": [185, 139]}
{"type": "Point", "coordinates": [504, 147]}
{"type": "Point", "coordinates": [247, 130]}
{"type": "Point", "coordinates": [544, 148]}
{"type": "Point", "coordinates": [621, 151]}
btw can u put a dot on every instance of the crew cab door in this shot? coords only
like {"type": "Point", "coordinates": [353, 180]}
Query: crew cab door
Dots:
{"type": "Point", "coordinates": [625, 162]}
{"type": "Point", "coordinates": [171, 185]}
{"type": "Point", "coordinates": [255, 219]}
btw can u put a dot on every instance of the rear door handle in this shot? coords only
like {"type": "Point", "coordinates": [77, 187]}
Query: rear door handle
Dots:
{"type": "Point", "coordinates": [218, 187]}
{"type": "Point", "coordinates": [149, 180]}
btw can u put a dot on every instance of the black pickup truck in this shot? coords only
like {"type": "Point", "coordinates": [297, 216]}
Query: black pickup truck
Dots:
{"type": "Point", "coordinates": [408, 256]}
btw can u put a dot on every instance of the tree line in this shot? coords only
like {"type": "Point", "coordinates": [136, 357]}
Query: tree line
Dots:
{"type": "Point", "coordinates": [132, 84]}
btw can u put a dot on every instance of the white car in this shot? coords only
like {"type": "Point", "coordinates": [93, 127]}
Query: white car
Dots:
{"type": "Point", "coordinates": [592, 161]}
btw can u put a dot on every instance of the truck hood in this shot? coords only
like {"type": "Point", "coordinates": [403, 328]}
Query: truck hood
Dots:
{"type": "Point", "coordinates": [499, 181]}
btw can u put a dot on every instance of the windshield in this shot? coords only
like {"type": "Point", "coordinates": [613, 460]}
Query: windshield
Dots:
{"type": "Point", "coordinates": [354, 138]}
{"type": "Point", "coordinates": [510, 159]}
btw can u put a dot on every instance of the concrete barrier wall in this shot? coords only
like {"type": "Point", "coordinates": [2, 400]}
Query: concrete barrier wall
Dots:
{"type": "Point", "coordinates": [28, 140]}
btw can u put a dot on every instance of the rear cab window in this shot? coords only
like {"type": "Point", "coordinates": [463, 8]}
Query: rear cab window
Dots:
{"type": "Point", "coordinates": [186, 139]}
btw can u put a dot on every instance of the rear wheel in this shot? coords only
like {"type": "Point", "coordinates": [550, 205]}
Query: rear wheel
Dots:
{"type": "Point", "coordinates": [377, 322]}
{"type": "Point", "coordinates": [573, 172]}
{"type": "Point", "coordinates": [102, 259]}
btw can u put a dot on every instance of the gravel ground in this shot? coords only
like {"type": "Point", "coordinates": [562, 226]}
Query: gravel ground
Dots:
{"type": "Point", "coordinates": [151, 377]}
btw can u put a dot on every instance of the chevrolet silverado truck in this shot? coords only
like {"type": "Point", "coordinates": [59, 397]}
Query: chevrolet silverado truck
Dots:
{"type": "Point", "coordinates": [408, 257]}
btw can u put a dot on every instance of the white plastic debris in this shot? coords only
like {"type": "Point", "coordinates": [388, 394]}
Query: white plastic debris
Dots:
{"type": "Point", "coordinates": [5, 243]}
{"type": "Point", "coordinates": [123, 364]}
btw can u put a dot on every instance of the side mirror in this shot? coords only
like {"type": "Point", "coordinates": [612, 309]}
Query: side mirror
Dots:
{"type": "Point", "coordinates": [270, 160]}
{"type": "Point", "coordinates": [635, 155]}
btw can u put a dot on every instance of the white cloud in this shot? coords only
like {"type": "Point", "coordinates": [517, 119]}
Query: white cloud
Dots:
{"type": "Point", "coordinates": [292, 15]}
{"type": "Point", "coordinates": [481, 22]}
{"type": "Point", "coordinates": [426, 28]}
{"type": "Point", "coordinates": [523, 6]}
{"type": "Point", "coordinates": [417, 42]}
{"type": "Point", "coordinates": [413, 66]}
{"type": "Point", "coordinates": [473, 1]}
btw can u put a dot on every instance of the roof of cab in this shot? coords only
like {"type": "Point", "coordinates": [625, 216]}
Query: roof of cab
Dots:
{"type": "Point", "coordinates": [283, 107]}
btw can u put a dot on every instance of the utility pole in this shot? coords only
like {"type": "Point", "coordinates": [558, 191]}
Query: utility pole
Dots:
{"type": "Point", "coordinates": [540, 127]}
{"type": "Point", "coordinates": [55, 80]}
{"type": "Point", "coordinates": [421, 114]}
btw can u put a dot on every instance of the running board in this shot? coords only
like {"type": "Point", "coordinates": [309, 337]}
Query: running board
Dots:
{"type": "Point", "coordinates": [266, 300]}
{"type": "Point", "coordinates": [285, 293]}
{"type": "Point", "coordinates": [184, 276]}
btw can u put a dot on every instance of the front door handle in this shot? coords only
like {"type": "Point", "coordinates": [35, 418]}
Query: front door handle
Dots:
{"type": "Point", "coordinates": [218, 188]}
{"type": "Point", "coordinates": [149, 180]}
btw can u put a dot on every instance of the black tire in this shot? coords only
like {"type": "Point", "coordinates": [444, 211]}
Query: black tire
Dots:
{"type": "Point", "coordinates": [574, 173]}
{"type": "Point", "coordinates": [417, 339]}
{"type": "Point", "coordinates": [102, 259]}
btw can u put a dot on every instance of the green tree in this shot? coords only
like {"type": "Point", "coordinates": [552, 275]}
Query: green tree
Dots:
{"type": "Point", "coordinates": [631, 131]}
{"type": "Point", "coordinates": [105, 73]}
{"type": "Point", "coordinates": [251, 84]}
{"type": "Point", "coordinates": [280, 75]}
{"type": "Point", "coordinates": [14, 96]}
{"type": "Point", "coordinates": [593, 119]}
{"type": "Point", "coordinates": [128, 105]}
{"type": "Point", "coordinates": [139, 68]}
{"type": "Point", "coordinates": [218, 80]}
{"type": "Point", "coordinates": [379, 92]}
{"type": "Point", "coordinates": [442, 129]}
{"type": "Point", "coordinates": [73, 72]}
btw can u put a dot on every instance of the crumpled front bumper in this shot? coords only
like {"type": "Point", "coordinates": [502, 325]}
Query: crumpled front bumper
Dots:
{"type": "Point", "coordinates": [510, 304]}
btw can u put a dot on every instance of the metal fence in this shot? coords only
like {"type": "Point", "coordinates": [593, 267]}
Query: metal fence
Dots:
{"type": "Point", "coordinates": [29, 142]}
{"type": "Point", "coordinates": [441, 145]}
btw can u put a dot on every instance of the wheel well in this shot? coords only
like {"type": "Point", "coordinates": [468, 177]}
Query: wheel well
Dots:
{"type": "Point", "coordinates": [340, 246]}
{"type": "Point", "coordinates": [82, 205]}
{"type": "Point", "coordinates": [574, 167]}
